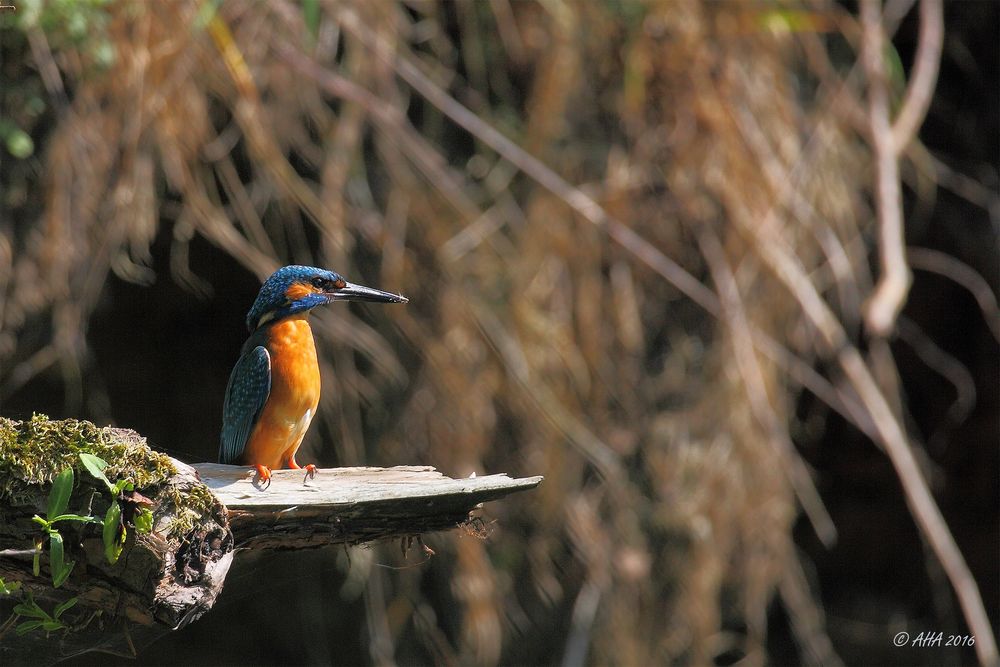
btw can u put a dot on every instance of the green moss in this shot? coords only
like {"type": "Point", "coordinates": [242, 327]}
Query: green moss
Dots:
{"type": "Point", "coordinates": [190, 506]}
{"type": "Point", "coordinates": [33, 452]}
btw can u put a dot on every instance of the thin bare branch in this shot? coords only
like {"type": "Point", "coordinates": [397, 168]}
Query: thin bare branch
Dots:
{"type": "Point", "coordinates": [924, 75]}
{"type": "Point", "coordinates": [967, 188]}
{"type": "Point", "coordinates": [943, 264]}
{"type": "Point", "coordinates": [945, 365]}
{"type": "Point", "coordinates": [890, 293]}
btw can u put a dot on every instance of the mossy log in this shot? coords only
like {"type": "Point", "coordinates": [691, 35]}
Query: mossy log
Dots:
{"type": "Point", "coordinates": [163, 579]}
{"type": "Point", "coordinates": [172, 575]}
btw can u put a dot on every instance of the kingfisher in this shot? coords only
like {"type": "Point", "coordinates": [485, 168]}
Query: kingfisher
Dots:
{"type": "Point", "coordinates": [274, 388]}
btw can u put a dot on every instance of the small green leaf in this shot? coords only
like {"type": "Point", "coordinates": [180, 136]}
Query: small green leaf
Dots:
{"type": "Point", "coordinates": [62, 488]}
{"type": "Point", "coordinates": [95, 466]}
{"type": "Point", "coordinates": [58, 579]}
{"type": "Point", "coordinates": [52, 626]}
{"type": "Point", "coordinates": [42, 522]}
{"type": "Point", "coordinates": [7, 589]}
{"type": "Point", "coordinates": [143, 521]}
{"type": "Point", "coordinates": [31, 610]}
{"type": "Point", "coordinates": [75, 517]}
{"type": "Point", "coordinates": [122, 485]}
{"type": "Point", "coordinates": [114, 533]}
{"type": "Point", "coordinates": [24, 610]}
{"type": "Point", "coordinates": [68, 604]}
{"type": "Point", "coordinates": [28, 626]}
{"type": "Point", "coordinates": [36, 566]}
{"type": "Point", "coordinates": [57, 559]}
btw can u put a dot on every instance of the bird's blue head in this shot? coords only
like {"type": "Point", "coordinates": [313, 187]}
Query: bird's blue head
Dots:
{"type": "Point", "coordinates": [297, 289]}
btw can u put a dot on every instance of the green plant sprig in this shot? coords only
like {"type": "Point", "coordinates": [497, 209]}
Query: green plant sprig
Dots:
{"type": "Point", "coordinates": [40, 618]}
{"type": "Point", "coordinates": [114, 533]}
{"type": "Point", "coordinates": [55, 511]}
{"type": "Point", "coordinates": [28, 608]}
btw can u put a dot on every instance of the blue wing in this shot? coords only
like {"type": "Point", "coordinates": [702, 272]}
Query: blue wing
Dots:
{"type": "Point", "coordinates": [249, 386]}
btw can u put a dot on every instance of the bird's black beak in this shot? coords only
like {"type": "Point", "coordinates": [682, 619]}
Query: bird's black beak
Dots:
{"type": "Point", "coordinates": [352, 292]}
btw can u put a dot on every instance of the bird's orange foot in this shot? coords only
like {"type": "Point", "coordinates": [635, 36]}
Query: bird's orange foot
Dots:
{"type": "Point", "coordinates": [263, 478]}
{"type": "Point", "coordinates": [310, 469]}
{"type": "Point", "coordinates": [310, 473]}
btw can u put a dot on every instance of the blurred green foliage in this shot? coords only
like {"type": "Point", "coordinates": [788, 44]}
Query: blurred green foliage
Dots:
{"type": "Point", "coordinates": [17, 141]}
{"type": "Point", "coordinates": [69, 22]}
{"type": "Point", "coordinates": [59, 24]}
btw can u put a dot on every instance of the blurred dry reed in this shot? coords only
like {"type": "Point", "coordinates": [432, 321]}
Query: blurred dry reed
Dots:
{"type": "Point", "coordinates": [628, 232]}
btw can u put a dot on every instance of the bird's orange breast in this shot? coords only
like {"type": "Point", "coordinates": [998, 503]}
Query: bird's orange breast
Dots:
{"type": "Point", "coordinates": [295, 389]}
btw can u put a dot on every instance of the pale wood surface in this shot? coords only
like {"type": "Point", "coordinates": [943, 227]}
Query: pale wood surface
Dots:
{"type": "Point", "coordinates": [348, 505]}
{"type": "Point", "coordinates": [236, 488]}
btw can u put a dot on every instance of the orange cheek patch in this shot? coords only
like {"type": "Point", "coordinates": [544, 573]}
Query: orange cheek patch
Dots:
{"type": "Point", "coordinates": [297, 291]}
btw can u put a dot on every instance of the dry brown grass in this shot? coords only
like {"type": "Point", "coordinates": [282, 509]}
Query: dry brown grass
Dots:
{"type": "Point", "coordinates": [718, 135]}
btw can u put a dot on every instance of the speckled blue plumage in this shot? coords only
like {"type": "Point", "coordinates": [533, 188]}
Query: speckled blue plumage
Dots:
{"type": "Point", "coordinates": [249, 386]}
{"type": "Point", "coordinates": [272, 293]}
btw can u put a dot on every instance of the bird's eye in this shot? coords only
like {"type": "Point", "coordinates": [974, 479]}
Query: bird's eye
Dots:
{"type": "Point", "coordinates": [319, 283]}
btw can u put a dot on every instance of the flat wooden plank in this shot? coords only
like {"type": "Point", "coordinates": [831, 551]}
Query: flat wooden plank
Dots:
{"type": "Point", "coordinates": [236, 488]}
{"type": "Point", "coordinates": [349, 505]}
